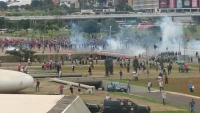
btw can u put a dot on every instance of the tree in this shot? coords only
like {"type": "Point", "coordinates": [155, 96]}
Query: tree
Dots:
{"type": "Point", "coordinates": [101, 2]}
{"type": "Point", "coordinates": [2, 22]}
{"type": "Point", "coordinates": [90, 27]}
{"type": "Point", "coordinates": [106, 26]}
{"type": "Point", "coordinates": [3, 6]}
{"type": "Point", "coordinates": [155, 30]}
{"type": "Point", "coordinates": [22, 53]}
{"type": "Point", "coordinates": [52, 28]}
{"type": "Point", "coordinates": [192, 29]}
{"type": "Point", "coordinates": [39, 26]}
{"type": "Point", "coordinates": [24, 24]}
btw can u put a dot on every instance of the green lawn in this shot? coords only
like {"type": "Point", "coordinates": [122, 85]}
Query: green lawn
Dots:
{"type": "Point", "coordinates": [36, 34]}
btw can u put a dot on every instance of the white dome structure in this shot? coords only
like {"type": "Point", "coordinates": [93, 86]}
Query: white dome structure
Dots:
{"type": "Point", "coordinates": [13, 81]}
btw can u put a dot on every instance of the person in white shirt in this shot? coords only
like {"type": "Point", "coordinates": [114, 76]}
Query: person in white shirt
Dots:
{"type": "Point", "coordinates": [149, 86]}
{"type": "Point", "coordinates": [60, 73]}
{"type": "Point", "coordinates": [164, 97]}
{"type": "Point", "coordinates": [161, 85]}
{"type": "Point", "coordinates": [108, 97]}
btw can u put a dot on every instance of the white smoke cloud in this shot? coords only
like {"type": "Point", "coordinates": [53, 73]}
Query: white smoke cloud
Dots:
{"type": "Point", "coordinates": [172, 34]}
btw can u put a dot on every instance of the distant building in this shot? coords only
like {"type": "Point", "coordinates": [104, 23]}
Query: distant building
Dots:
{"type": "Point", "coordinates": [70, 3]}
{"type": "Point", "coordinates": [19, 3]}
{"type": "Point", "coordinates": [147, 5]}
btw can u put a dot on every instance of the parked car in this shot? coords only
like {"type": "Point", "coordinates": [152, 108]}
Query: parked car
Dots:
{"type": "Point", "coordinates": [116, 86]}
{"type": "Point", "coordinates": [94, 108]}
{"type": "Point", "coordinates": [123, 106]}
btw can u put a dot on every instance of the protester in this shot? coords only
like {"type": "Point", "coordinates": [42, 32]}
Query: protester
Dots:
{"type": "Point", "coordinates": [148, 74]}
{"type": "Point", "coordinates": [60, 73]}
{"type": "Point", "coordinates": [19, 67]}
{"type": "Point", "coordinates": [90, 70]}
{"type": "Point", "coordinates": [186, 68]}
{"type": "Point", "coordinates": [149, 84]}
{"type": "Point", "coordinates": [120, 74]}
{"type": "Point", "coordinates": [108, 97]}
{"type": "Point", "coordinates": [166, 79]}
{"type": "Point", "coordinates": [191, 104]}
{"type": "Point", "coordinates": [164, 97]}
{"type": "Point", "coordinates": [71, 89]}
{"type": "Point", "coordinates": [73, 67]}
{"type": "Point", "coordinates": [61, 89]}
{"type": "Point", "coordinates": [191, 87]}
{"type": "Point", "coordinates": [136, 76]}
{"type": "Point", "coordinates": [128, 86]}
{"type": "Point", "coordinates": [79, 87]}
{"type": "Point", "coordinates": [161, 85]}
{"type": "Point", "coordinates": [37, 88]}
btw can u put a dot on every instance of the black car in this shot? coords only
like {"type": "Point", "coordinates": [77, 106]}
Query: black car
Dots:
{"type": "Point", "coordinates": [116, 86]}
{"type": "Point", "coordinates": [94, 108]}
{"type": "Point", "coordinates": [123, 106]}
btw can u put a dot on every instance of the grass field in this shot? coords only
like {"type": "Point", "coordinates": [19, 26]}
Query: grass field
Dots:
{"type": "Point", "coordinates": [36, 34]}
{"type": "Point", "coordinates": [178, 82]}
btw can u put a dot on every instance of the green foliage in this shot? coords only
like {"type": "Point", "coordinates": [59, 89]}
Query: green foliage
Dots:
{"type": "Point", "coordinates": [90, 26]}
{"type": "Point", "coordinates": [123, 7]}
{"type": "Point", "coordinates": [3, 6]}
{"type": "Point", "coordinates": [22, 53]}
{"type": "Point", "coordinates": [192, 29]}
{"type": "Point", "coordinates": [106, 26]}
{"type": "Point", "coordinates": [155, 30]}
{"type": "Point", "coordinates": [101, 1]}
{"type": "Point", "coordinates": [2, 22]}
{"type": "Point", "coordinates": [24, 24]}
{"type": "Point", "coordinates": [36, 4]}
{"type": "Point", "coordinates": [39, 26]}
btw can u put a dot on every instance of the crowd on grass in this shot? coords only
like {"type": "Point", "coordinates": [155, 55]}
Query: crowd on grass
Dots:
{"type": "Point", "coordinates": [53, 44]}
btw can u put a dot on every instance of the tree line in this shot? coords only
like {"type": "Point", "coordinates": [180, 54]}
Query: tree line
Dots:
{"type": "Point", "coordinates": [88, 26]}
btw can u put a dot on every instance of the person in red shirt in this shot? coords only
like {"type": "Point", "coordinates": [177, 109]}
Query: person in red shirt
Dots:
{"type": "Point", "coordinates": [37, 88]}
{"type": "Point", "coordinates": [61, 89]}
{"type": "Point", "coordinates": [19, 67]}
{"type": "Point", "coordinates": [186, 68]}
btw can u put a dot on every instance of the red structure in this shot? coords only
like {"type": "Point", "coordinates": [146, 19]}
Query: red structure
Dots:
{"type": "Point", "coordinates": [194, 3]}
{"type": "Point", "coordinates": [171, 3]}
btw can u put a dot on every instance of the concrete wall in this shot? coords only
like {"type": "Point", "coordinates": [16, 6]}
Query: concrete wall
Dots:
{"type": "Point", "coordinates": [77, 106]}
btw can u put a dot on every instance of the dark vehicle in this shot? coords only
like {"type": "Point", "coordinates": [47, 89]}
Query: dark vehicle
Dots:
{"type": "Point", "coordinates": [116, 86]}
{"type": "Point", "coordinates": [123, 106]}
{"type": "Point", "coordinates": [94, 108]}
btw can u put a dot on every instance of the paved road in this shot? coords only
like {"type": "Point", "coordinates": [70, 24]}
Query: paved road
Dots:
{"type": "Point", "coordinates": [174, 99]}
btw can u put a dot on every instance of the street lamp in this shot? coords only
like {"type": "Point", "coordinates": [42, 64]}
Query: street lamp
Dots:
{"type": "Point", "coordinates": [110, 36]}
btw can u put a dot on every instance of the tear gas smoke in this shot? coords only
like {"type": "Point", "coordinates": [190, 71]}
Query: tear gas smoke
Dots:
{"type": "Point", "coordinates": [129, 41]}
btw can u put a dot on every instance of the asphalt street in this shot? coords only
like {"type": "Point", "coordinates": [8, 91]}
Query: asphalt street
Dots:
{"type": "Point", "coordinates": [175, 99]}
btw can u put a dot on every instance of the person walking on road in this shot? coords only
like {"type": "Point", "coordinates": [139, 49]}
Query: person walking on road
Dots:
{"type": "Point", "coordinates": [191, 104]}
{"type": "Point", "coordinates": [164, 97]}
{"type": "Point", "coordinates": [149, 84]}
{"type": "Point", "coordinates": [128, 86]}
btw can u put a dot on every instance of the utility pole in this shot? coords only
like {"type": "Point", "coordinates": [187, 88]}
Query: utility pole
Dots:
{"type": "Point", "coordinates": [110, 36]}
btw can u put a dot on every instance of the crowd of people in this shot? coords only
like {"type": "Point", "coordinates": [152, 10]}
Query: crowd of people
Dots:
{"type": "Point", "coordinates": [56, 43]}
